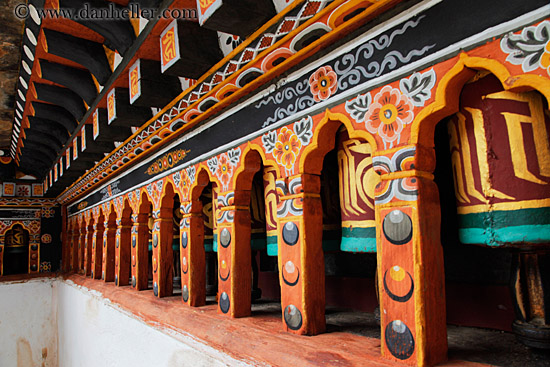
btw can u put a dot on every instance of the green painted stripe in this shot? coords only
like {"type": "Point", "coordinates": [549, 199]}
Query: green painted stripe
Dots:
{"type": "Point", "coordinates": [357, 244]}
{"type": "Point", "coordinates": [208, 245]}
{"type": "Point", "coordinates": [505, 218]}
{"type": "Point", "coordinates": [272, 248]}
{"type": "Point", "coordinates": [500, 237]}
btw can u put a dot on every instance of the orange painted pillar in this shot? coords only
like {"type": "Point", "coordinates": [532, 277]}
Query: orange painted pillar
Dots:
{"type": "Point", "coordinates": [88, 245]}
{"type": "Point", "coordinates": [162, 253]}
{"type": "Point", "coordinates": [81, 247]}
{"type": "Point", "coordinates": [234, 258]}
{"type": "Point", "coordinates": [122, 251]}
{"type": "Point", "coordinates": [140, 251]}
{"type": "Point", "coordinates": [70, 253]}
{"type": "Point", "coordinates": [97, 250]}
{"type": "Point", "coordinates": [301, 258]}
{"type": "Point", "coordinates": [75, 248]}
{"type": "Point", "coordinates": [108, 255]}
{"type": "Point", "coordinates": [410, 258]}
{"type": "Point", "coordinates": [193, 267]}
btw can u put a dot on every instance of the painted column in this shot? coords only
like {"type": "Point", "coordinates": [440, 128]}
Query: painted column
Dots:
{"type": "Point", "coordinates": [410, 257]}
{"type": "Point", "coordinates": [193, 268]}
{"type": "Point", "coordinates": [122, 251]}
{"type": "Point", "coordinates": [97, 249]}
{"type": "Point", "coordinates": [88, 245]}
{"type": "Point", "coordinates": [234, 262]}
{"type": "Point", "coordinates": [301, 258]}
{"type": "Point", "coordinates": [162, 253]}
{"type": "Point", "coordinates": [75, 248]}
{"type": "Point", "coordinates": [81, 247]}
{"type": "Point", "coordinates": [140, 251]}
{"type": "Point", "coordinates": [108, 255]}
{"type": "Point", "coordinates": [70, 247]}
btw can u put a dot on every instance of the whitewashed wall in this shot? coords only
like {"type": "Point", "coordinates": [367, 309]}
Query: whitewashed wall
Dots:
{"type": "Point", "coordinates": [28, 331]}
{"type": "Point", "coordinates": [49, 323]}
{"type": "Point", "coordinates": [92, 332]}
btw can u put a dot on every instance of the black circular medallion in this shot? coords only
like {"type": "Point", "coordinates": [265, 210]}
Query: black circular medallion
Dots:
{"type": "Point", "coordinates": [397, 227]}
{"type": "Point", "coordinates": [225, 238]}
{"type": "Point", "coordinates": [399, 340]}
{"type": "Point", "coordinates": [290, 233]}
{"type": "Point", "coordinates": [293, 317]}
{"type": "Point", "coordinates": [184, 240]}
{"type": "Point", "coordinates": [224, 302]}
{"type": "Point", "coordinates": [185, 293]}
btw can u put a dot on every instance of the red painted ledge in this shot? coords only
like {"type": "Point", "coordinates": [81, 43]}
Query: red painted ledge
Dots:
{"type": "Point", "coordinates": [258, 340]}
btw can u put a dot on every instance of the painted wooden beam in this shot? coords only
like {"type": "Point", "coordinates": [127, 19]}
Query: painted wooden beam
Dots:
{"type": "Point", "coordinates": [54, 113]}
{"type": "Point", "coordinates": [149, 87]}
{"type": "Point", "coordinates": [188, 50]}
{"type": "Point", "coordinates": [118, 33]}
{"type": "Point", "coordinates": [63, 97]}
{"type": "Point", "coordinates": [87, 53]}
{"type": "Point", "coordinates": [79, 81]}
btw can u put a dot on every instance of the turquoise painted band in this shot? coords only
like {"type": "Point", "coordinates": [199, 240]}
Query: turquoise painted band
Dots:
{"type": "Point", "coordinates": [509, 236]}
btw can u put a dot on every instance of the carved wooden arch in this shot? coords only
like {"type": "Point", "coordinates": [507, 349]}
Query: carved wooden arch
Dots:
{"type": "Point", "coordinates": [322, 142]}
{"type": "Point", "coordinates": [253, 156]}
{"type": "Point", "coordinates": [203, 177]}
{"type": "Point", "coordinates": [448, 91]}
{"type": "Point", "coordinates": [143, 199]}
{"type": "Point", "coordinates": [25, 227]}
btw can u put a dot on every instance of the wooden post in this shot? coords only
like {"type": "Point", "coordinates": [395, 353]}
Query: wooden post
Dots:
{"type": "Point", "coordinates": [70, 253]}
{"type": "Point", "coordinates": [75, 247]}
{"type": "Point", "coordinates": [108, 258]}
{"type": "Point", "coordinates": [410, 258]}
{"type": "Point", "coordinates": [88, 244]}
{"type": "Point", "coordinates": [97, 248]}
{"type": "Point", "coordinates": [82, 247]}
{"type": "Point", "coordinates": [301, 258]}
{"type": "Point", "coordinates": [65, 243]}
{"type": "Point", "coordinates": [122, 251]}
{"type": "Point", "coordinates": [193, 267]}
{"type": "Point", "coordinates": [162, 252]}
{"type": "Point", "coordinates": [234, 267]}
{"type": "Point", "coordinates": [140, 251]}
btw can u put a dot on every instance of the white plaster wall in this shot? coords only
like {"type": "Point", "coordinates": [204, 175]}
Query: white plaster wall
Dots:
{"type": "Point", "coordinates": [28, 335]}
{"type": "Point", "coordinates": [92, 332]}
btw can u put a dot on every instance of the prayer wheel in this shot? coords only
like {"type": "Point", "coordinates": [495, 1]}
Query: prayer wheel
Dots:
{"type": "Point", "coordinates": [500, 155]}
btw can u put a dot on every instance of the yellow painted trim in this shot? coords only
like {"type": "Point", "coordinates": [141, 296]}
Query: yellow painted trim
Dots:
{"type": "Point", "coordinates": [360, 223]}
{"type": "Point", "coordinates": [298, 196]}
{"type": "Point", "coordinates": [507, 206]}
{"type": "Point", "coordinates": [405, 174]}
